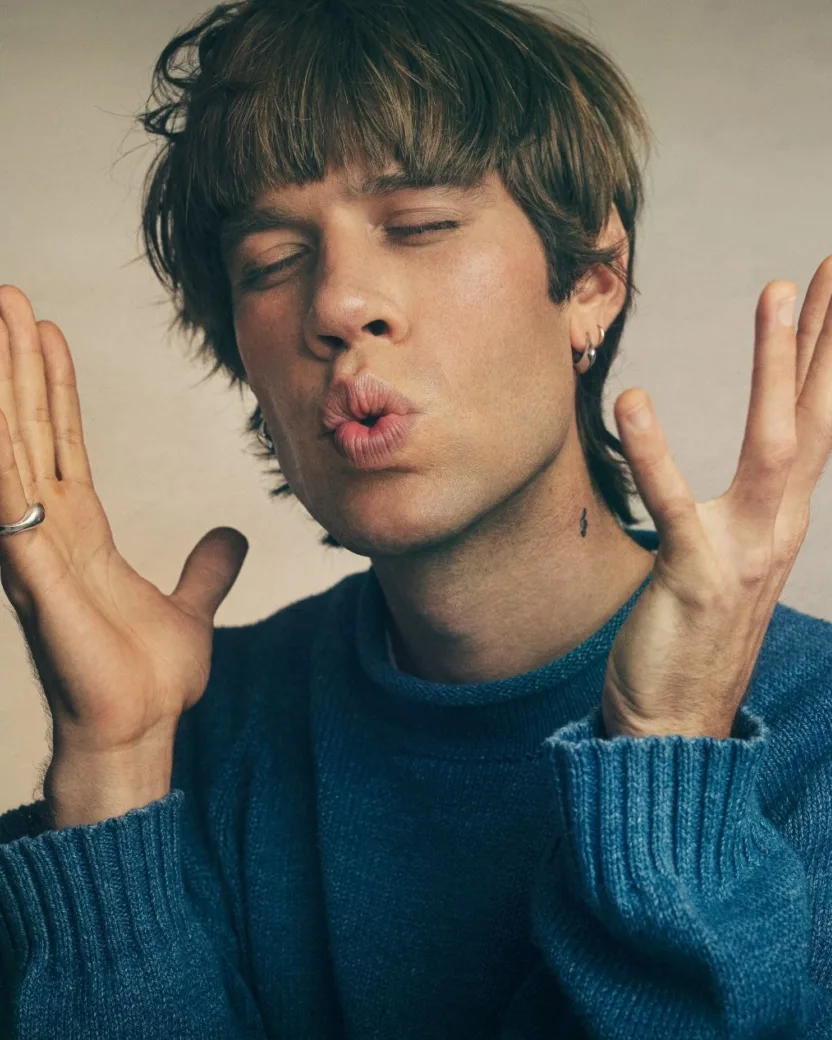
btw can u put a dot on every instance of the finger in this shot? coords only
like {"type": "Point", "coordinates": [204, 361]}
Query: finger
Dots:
{"type": "Point", "coordinates": [662, 487]}
{"type": "Point", "coordinates": [9, 410]}
{"type": "Point", "coordinates": [769, 445]}
{"type": "Point", "coordinates": [30, 418]}
{"type": "Point", "coordinates": [71, 456]}
{"type": "Point", "coordinates": [13, 501]}
{"type": "Point", "coordinates": [812, 315]}
{"type": "Point", "coordinates": [814, 406]}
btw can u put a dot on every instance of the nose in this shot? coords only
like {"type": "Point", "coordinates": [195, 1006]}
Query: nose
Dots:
{"type": "Point", "coordinates": [356, 300]}
{"type": "Point", "coordinates": [377, 327]}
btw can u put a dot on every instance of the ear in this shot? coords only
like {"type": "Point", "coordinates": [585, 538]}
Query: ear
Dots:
{"type": "Point", "coordinates": [601, 293]}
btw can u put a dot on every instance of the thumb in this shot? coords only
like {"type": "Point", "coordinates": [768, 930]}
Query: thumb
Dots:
{"type": "Point", "coordinates": [210, 570]}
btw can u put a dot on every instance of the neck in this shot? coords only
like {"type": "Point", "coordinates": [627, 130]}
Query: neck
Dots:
{"type": "Point", "coordinates": [525, 585]}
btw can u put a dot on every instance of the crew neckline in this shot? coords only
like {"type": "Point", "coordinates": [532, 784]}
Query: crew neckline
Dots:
{"type": "Point", "coordinates": [501, 719]}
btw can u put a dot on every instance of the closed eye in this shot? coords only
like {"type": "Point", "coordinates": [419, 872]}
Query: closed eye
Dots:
{"type": "Point", "coordinates": [419, 228]}
{"type": "Point", "coordinates": [253, 275]}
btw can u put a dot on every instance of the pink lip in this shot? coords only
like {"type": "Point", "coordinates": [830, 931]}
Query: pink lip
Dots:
{"type": "Point", "coordinates": [373, 447]}
{"type": "Point", "coordinates": [355, 399]}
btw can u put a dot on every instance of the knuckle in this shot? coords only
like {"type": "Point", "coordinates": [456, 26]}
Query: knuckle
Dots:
{"type": "Point", "coordinates": [651, 462]}
{"type": "Point", "coordinates": [69, 435]}
{"type": "Point", "coordinates": [676, 508]}
{"type": "Point", "coordinates": [778, 456]}
{"type": "Point", "coordinates": [755, 567]}
{"type": "Point", "coordinates": [770, 467]}
{"type": "Point", "coordinates": [752, 580]}
{"type": "Point", "coordinates": [790, 544]}
{"type": "Point", "coordinates": [40, 414]}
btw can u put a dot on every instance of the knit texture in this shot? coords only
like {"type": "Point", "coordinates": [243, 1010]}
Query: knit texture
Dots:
{"type": "Point", "coordinates": [351, 851]}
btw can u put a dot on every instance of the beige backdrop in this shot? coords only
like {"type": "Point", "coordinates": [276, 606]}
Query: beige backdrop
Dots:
{"type": "Point", "coordinates": [738, 93]}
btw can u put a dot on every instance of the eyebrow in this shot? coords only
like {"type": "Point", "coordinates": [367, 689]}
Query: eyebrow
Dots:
{"type": "Point", "coordinates": [251, 219]}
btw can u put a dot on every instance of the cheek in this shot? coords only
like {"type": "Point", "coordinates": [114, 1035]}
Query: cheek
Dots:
{"type": "Point", "coordinates": [496, 310]}
{"type": "Point", "coordinates": [501, 288]}
{"type": "Point", "coordinates": [270, 380]}
{"type": "Point", "coordinates": [478, 280]}
{"type": "Point", "coordinates": [256, 331]}
{"type": "Point", "coordinates": [263, 344]}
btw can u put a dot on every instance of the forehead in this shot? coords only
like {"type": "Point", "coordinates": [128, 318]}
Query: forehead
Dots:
{"type": "Point", "coordinates": [272, 209]}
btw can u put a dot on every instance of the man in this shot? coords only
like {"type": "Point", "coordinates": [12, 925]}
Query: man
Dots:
{"type": "Point", "coordinates": [515, 780]}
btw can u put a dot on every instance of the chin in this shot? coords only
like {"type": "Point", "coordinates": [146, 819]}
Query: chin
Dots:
{"type": "Point", "coordinates": [382, 550]}
{"type": "Point", "coordinates": [381, 533]}
{"type": "Point", "coordinates": [381, 544]}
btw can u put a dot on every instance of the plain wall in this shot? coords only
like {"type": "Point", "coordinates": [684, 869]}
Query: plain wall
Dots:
{"type": "Point", "coordinates": [738, 94]}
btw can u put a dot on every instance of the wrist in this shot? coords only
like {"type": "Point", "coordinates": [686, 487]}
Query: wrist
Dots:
{"type": "Point", "coordinates": [88, 787]}
{"type": "Point", "coordinates": [657, 728]}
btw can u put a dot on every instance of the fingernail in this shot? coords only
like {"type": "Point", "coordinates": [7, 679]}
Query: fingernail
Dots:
{"type": "Point", "coordinates": [786, 312]}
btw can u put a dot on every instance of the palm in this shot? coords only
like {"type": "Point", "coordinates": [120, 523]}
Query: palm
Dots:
{"type": "Point", "coordinates": [118, 659]}
{"type": "Point", "coordinates": [684, 657]}
{"type": "Point", "coordinates": [98, 621]}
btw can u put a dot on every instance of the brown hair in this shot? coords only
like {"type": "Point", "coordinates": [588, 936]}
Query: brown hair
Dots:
{"type": "Point", "coordinates": [451, 90]}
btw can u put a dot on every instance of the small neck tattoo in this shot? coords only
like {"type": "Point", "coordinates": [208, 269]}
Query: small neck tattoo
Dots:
{"type": "Point", "coordinates": [583, 524]}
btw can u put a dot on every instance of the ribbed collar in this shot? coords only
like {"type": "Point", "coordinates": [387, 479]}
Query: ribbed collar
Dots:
{"type": "Point", "coordinates": [503, 719]}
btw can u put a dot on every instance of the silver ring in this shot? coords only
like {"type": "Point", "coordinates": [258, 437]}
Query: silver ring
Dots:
{"type": "Point", "coordinates": [34, 515]}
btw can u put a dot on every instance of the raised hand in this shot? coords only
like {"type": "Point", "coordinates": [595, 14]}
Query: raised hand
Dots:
{"type": "Point", "coordinates": [119, 660]}
{"type": "Point", "coordinates": [682, 661]}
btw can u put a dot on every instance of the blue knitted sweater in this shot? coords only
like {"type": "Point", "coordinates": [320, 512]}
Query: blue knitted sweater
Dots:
{"type": "Point", "coordinates": [351, 851]}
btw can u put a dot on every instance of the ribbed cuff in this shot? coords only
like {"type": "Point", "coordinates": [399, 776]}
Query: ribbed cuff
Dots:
{"type": "Point", "coordinates": [96, 892]}
{"type": "Point", "coordinates": [637, 807]}
{"type": "Point", "coordinates": [26, 822]}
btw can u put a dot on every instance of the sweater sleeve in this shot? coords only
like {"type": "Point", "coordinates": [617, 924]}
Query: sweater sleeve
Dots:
{"type": "Point", "coordinates": [99, 936]}
{"type": "Point", "coordinates": [669, 904]}
{"type": "Point", "coordinates": [130, 927]}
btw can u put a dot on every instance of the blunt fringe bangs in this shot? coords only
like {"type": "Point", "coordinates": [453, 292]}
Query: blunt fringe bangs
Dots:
{"type": "Point", "coordinates": [264, 93]}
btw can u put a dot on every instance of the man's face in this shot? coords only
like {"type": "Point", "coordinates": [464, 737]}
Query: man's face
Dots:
{"type": "Point", "coordinates": [459, 320]}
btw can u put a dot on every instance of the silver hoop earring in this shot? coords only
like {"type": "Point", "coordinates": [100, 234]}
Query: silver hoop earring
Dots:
{"type": "Point", "coordinates": [588, 355]}
{"type": "Point", "coordinates": [264, 437]}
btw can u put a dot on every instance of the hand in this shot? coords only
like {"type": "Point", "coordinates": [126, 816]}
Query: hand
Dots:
{"type": "Point", "coordinates": [119, 660]}
{"type": "Point", "coordinates": [682, 661]}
